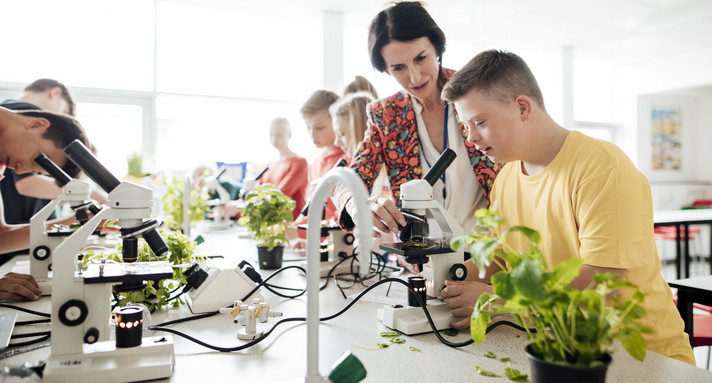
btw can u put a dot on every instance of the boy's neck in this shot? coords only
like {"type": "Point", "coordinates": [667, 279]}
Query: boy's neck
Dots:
{"type": "Point", "coordinates": [548, 142]}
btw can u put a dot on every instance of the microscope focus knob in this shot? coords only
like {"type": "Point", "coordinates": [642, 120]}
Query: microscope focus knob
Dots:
{"type": "Point", "coordinates": [458, 272]}
{"type": "Point", "coordinates": [349, 238]}
{"type": "Point", "coordinates": [73, 312]}
{"type": "Point", "coordinates": [41, 252]}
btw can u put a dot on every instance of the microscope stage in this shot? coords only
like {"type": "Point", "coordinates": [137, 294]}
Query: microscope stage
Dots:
{"type": "Point", "coordinates": [410, 249]}
{"type": "Point", "coordinates": [125, 272]}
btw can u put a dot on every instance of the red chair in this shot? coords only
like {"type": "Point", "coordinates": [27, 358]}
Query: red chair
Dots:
{"type": "Point", "coordinates": [702, 326]}
{"type": "Point", "coordinates": [703, 333]}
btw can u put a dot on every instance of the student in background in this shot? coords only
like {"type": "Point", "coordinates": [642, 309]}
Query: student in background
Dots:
{"type": "Point", "coordinates": [350, 123]}
{"type": "Point", "coordinates": [288, 173]}
{"type": "Point", "coordinates": [361, 84]}
{"type": "Point", "coordinates": [315, 113]}
{"type": "Point", "coordinates": [349, 120]}
{"type": "Point", "coordinates": [583, 195]}
{"type": "Point", "coordinates": [23, 136]}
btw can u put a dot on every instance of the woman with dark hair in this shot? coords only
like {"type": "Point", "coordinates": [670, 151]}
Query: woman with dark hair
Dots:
{"type": "Point", "coordinates": [409, 130]}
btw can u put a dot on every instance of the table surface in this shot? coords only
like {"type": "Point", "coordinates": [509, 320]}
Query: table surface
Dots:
{"type": "Point", "coordinates": [682, 216]}
{"type": "Point", "coordinates": [699, 284]}
{"type": "Point", "coordinates": [282, 356]}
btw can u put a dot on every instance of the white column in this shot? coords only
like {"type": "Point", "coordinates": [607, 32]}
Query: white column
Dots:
{"type": "Point", "coordinates": [333, 50]}
{"type": "Point", "coordinates": [567, 82]}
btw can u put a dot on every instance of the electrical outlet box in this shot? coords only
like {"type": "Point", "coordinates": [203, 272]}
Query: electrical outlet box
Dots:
{"type": "Point", "coordinates": [220, 289]}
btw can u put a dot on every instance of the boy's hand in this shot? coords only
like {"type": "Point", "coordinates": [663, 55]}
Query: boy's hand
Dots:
{"type": "Point", "coordinates": [19, 287]}
{"type": "Point", "coordinates": [460, 297]}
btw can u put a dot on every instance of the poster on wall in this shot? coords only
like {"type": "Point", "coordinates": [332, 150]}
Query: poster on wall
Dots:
{"type": "Point", "coordinates": [667, 138]}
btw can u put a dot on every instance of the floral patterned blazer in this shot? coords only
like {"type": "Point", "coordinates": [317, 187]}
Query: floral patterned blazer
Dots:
{"type": "Point", "coordinates": [391, 140]}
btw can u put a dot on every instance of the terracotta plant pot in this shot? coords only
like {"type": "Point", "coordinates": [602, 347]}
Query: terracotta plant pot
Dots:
{"type": "Point", "coordinates": [542, 371]}
{"type": "Point", "coordinates": [270, 259]}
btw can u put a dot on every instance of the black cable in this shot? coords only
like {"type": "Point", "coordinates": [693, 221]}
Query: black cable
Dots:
{"type": "Point", "coordinates": [18, 308]}
{"type": "Point", "coordinates": [213, 313]}
{"type": "Point", "coordinates": [29, 334]}
{"type": "Point", "coordinates": [29, 342]}
{"type": "Point", "coordinates": [175, 296]}
{"type": "Point", "coordinates": [27, 322]}
{"type": "Point", "coordinates": [323, 319]}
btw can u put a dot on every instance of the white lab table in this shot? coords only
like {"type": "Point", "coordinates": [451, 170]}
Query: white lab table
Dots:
{"type": "Point", "coordinates": [282, 356]}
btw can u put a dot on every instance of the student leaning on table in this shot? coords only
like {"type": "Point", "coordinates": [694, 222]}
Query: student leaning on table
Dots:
{"type": "Point", "coordinates": [585, 193]}
{"type": "Point", "coordinates": [23, 136]}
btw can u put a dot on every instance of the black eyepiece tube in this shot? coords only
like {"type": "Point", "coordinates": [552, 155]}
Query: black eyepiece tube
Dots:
{"type": "Point", "coordinates": [439, 166]}
{"type": "Point", "coordinates": [55, 171]}
{"type": "Point", "coordinates": [84, 158]}
{"type": "Point", "coordinates": [338, 164]}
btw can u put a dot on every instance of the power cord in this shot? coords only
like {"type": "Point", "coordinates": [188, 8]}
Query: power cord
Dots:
{"type": "Point", "coordinates": [161, 327]}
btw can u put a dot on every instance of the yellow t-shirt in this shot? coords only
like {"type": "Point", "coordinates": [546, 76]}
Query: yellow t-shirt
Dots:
{"type": "Point", "coordinates": [591, 202]}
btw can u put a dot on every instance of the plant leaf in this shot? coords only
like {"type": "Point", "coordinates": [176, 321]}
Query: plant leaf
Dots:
{"type": "Point", "coordinates": [532, 235]}
{"type": "Point", "coordinates": [515, 375]}
{"type": "Point", "coordinates": [484, 372]}
{"type": "Point", "coordinates": [565, 272]}
{"type": "Point", "coordinates": [635, 345]}
{"type": "Point", "coordinates": [527, 278]}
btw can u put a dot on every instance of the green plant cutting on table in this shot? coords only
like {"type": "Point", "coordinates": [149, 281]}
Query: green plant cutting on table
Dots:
{"type": "Point", "coordinates": [571, 327]}
{"type": "Point", "coordinates": [173, 204]}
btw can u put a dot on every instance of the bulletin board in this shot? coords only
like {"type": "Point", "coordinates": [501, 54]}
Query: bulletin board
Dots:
{"type": "Point", "coordinates": [666, 130]}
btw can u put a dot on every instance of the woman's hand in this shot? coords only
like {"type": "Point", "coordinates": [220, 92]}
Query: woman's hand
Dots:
{"type": "Point", "coordinates": [386, 216]}
{"type": "Point", "coordinates": [460, 297]}
{"type": "Point", "coordinates": [19, 287]}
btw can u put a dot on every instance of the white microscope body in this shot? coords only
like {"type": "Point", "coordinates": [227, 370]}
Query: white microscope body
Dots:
{"type": "Point", "coordinates": [439, 262]}
{"type": "Point", "coordinates": [220, 220]}
{"type": "Point", "coordinates": [81, 349]}
{"type": "Point", "coordinates": [42, 242]}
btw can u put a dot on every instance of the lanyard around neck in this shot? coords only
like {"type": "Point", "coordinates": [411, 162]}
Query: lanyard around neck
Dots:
{"type": "Point", "coordinates": [445, 145]}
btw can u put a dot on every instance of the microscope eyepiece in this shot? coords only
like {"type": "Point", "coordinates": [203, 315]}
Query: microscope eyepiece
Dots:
{"type": "Point", "coordinates": [84, 158]}
{"type": "Point", "coordinates": [439, 166]}
{"type": "Point", "coordinates": [53, 170]}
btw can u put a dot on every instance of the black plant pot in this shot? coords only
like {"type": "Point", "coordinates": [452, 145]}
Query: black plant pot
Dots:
{"type": "Point", "coordinates": [542, 371]}
{"type": "Point", "coordinates": [270, 259]}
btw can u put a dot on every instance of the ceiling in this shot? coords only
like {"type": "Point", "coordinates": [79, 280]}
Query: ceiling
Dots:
{"type": "Point", "coordinates": [624, 30]}
{"type": "Point", "coordinates": [620, 31]}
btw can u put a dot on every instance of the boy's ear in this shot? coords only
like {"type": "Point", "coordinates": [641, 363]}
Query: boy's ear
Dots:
{"type": "Point", "coordinates": [524, 104]}
{"type": "Point", "coordinates": [37, 123]}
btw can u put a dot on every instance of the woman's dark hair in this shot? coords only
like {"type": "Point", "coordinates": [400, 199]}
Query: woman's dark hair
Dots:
{"type": "Point", "coordinates": [404, 21]}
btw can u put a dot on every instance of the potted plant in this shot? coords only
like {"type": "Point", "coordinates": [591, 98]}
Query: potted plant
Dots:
{"type": "Point", "coordinates": [266, 214]}
{"type": "Point", "coordinates": [571, 331]}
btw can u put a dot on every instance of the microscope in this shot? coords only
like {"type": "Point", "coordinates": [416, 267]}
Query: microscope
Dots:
{"type": "Point", "coordinates": [434, 256]}
{"type": "Point", "coordinates": [81, 349]}
{"type": "Point", "coordinates": [219, 220]}
{"type": "Point", "coordinates": [44, 240]}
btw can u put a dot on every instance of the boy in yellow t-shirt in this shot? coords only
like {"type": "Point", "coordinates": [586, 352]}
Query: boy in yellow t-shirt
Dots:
{"type": "Point", "coordinates": [583, 195]}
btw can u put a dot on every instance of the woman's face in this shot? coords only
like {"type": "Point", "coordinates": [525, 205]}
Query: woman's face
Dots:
{"type": "Point", "coordinates": [341, 130]}
{"type": "Point", "coordinates": [320, 129]}
{"type": "Point", "coordinates": [414, 64]}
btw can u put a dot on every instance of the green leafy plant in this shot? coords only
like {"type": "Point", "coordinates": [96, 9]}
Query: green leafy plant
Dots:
{"type": "Point", "coordinates": [155, 295]}
{"type": "Point", "coordinates": [266, 214]}
{"type": "Point", "coordinates": [572, 327]}
{"type": "Point", "coordinates": [135, 165]}
{"type": "Point", "coordinates": [173, 204]}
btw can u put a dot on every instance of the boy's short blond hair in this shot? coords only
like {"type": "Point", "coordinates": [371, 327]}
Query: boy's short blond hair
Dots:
{"type": "Point", "coordinates": [319, 101]}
